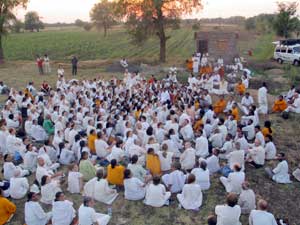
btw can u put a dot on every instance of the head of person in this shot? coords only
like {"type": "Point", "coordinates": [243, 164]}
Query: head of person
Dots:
{"type": "Point", "coordinates": [113, 163]}
{"type": "Point", "coordinates": [100, 174]}
{"type": "Point", "coordinates": [156, 180]}
{"type": "Point", "coordinates": [88, 201]}
{"type": "Point", "coordinates": [45, 180]}
{"type": "Point", "coordinates": [262, 205]}
{"type": "Point", "coordinates": [203, 164]}
{"type": "Point", "coordinates": [32, 197]}
{"type": "Point", "coordinates": [191, 179]}
{"type": "Point", "coordinates": [127, 174]}
{"type": "Point", "coordinates": [134, 159]}
{"type": "Point", "coordinates": [84, 155]}
{"type": "Point", "coordinates": [8, 158]}
{"type": "Point", "coordinates": [41, 161]}
{"type": "Point", "coordinates": [232, 199]}
{"type": "Point", "coordinates": [59, 196]}
{"type": "Point", "coordinates": [176, 166]}
{"type": "Point", "coordinates": [245, 185]}
{"type": "Point", "coordinates": [280, 156]}
{"type": "Point", "coordinates": [237, 167]}
{"type": "Point", "coordinates": [212, 220]}
{"type": "Point", "coordinates": [150, 151]}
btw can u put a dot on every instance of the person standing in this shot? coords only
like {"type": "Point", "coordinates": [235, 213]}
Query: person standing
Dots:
{"type": "Point", "coordinates": [47, 64]}
{"type": "Point", "coordinates": [39, 63]}
{"type": "Point", "coordinates": [74, 65]}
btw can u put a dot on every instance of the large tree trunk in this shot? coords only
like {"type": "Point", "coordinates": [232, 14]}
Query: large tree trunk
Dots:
{"type": "Point", "coordinates": [105, 30]}
{"type": "Point", "coordinates": [162, 36]}
{"type": "Point", "coordinates": [1, 51]}
{"type": "Point", "coordinates": [162, 49]}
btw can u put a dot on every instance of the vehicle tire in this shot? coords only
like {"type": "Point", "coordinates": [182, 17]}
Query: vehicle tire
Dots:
{"type": "Point", "coordinates": [280, 61]}
{"type": "Point", "coordinates": [296, 63]}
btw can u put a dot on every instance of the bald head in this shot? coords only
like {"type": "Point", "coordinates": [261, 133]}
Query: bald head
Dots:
{"type": "Point", "coordinates": [262, 204]}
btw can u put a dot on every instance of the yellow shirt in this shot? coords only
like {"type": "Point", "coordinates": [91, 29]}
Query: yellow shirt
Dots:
{"type": "Point", "coordinates": [115, 175]}
{"type": "Point", "coordinates": [153, 164]}
{"type": "Point", "coordinates": [7, 209]}
{"type": "Point", "coordinates": [91, 143]}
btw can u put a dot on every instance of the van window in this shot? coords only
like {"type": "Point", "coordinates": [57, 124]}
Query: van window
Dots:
{"type": "Point", "coordinates": [283, 50]}
{"type": "Point", "coordinates": [290, 51]}
{"type": "Point", "coordinates": [277, 49]}
{"type": "Point", "coordinates": [297, 49]}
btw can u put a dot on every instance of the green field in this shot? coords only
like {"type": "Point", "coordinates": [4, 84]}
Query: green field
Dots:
{"type": "Point", "coordinates": [62, 44]}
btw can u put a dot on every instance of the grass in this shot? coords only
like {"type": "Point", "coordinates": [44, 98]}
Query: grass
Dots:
{"type": "Point", "coordinates": [62, 44]}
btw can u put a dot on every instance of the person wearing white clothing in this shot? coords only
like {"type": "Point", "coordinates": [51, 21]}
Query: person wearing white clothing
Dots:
{"type": "Point", "coordinates": [280, 174]}
{"type": "Point", "coordinates": [87, 214]}
{"type": "Point", "coordinates": [18, 186]}
{"type": "Point", "coordinates": [256, 155]}
{"type": "Point", "coordinates": [134, 188]}
{"type": "Point", "coordinates": [261, 216]}
{"type": "Point", "coordinates": [202, 175]}
{"type": "Point", "coordinates": [247, 199]}
{"type": "Point", "coordinates": [98, 189]}
{"type": "Point", "coordinates": [101, 146]}
{"type": "Point", "coordinates": [259, 135]}
{"type": "Point", "coordinates": [230, 213]}
{"type": "Point", "coordinates": [188, 157]}
{"type": "Point", "coordinates": [234, 181]}
{"type": "Point", "coordinates": [249, 130]}
{"type": "Point", "coordinates": [263, 99]}
{"type": "Point", "coordinates": [237, 156]}
{"type": "Point", "coordinates": [62, 210]}
{"type": "Point", "coordinates": [174, 180]}
{"type": "Point", "coordinates": [75, 180]}
{"type": "Point", "coordinates": [165, 158]}
{"type": "Point", "coordinates": [270, 148]}
{"type": "Point", "coordinates": [156, 194]}
{"type": "Point", "coordinates": [201, 146]}
{"type": "Point", "coordinates": [49, 189]}
{"type": "Point", "coordinates": [34, 213]}
{"type": "Point", "coordinates": [295, 107]}
{"type": "Point", "coordinates": [9, 169]}
{"type": "Point", "coordinates": [191, 196]}
{"type": "Point", "coordinates": [213, 164]}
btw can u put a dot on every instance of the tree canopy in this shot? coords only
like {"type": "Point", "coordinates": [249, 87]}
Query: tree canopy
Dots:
{"type": "Point", "coordinates": [103, 15]}
{"type": "Point", "coordinates": [33, 22]}
{"type": "Point", "coordinates": [286, 21]}
{"type": "Point", "coordinates": [152, 17]}
{"type": "Point", "coordinates": [6, 14]}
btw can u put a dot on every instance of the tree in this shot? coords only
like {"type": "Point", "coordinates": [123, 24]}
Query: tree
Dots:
{"type": "Point", "coordinates": [79, 23]}
{"type": "Point", "coordinates": [17, 26]}
{"type": "Point", "coordinates": [7, 9]}
{"type": "Point", "coordinates": [152, 17]}
{"type": "Point", "coordinates": [103, 15]}
{"type": "Point", "coordinates": [33, 22]}
{"type": "Point", "coordinates": [250, 23]}
{"type": "Point", "coordinates": [87, 26]}
{"type": "Point", "coordinates": [286, 20]}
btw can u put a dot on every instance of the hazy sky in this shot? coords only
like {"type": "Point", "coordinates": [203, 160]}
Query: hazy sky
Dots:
{"type": "Point", "coordinates": [69, 10]}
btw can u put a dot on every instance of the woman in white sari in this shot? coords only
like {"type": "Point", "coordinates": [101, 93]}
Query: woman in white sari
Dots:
{"type": "Point", "coordinates": [49, 189]}
{"type": "Point", "coordinates": [62, 210]}
{"type": "Point", "coordinates": [134, 188]}
{"type": "Point", "coordinates": [98, 189]}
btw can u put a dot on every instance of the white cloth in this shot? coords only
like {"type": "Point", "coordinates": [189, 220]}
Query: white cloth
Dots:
{"type": "Point", "coordinates": [281, 173]}
{"type": "Point", "coordinates": [100, 191]}
{"type": "Point", "coordinates": [202, 178]}
{"type": "Point", "coordinates": [134, 189]}
{"type": "Point", "coordinates": [263, 100]}
{"type": "Point", "coordinates": [270, 150]}
{"type": "Point", "coordinates": [42, 171]}
{"type": "Point", "coordinates": [202, 147]}
{"type": "Point", "coordinates": [88, 215]}
{"type": "Point", "coordinates": [48, 192]}
{"type": "Point", "coordinates": [213, 164]}
{"type": "Point", "coordinates": [101, 148]}
{"type": "Point", "coordinates": [234, 182]}
{"type": "Point", "coordinates": [258, 155]}
{"type": "Point", "coordinates": [259, 217]}
{"type": "Point", "coordinates": [156, 195]}
{"type": "Point", "coordinates": [247, 201]}
{"type": "Point", "coordinates": [10, 169]}
{"type": "Point", "coordinates": [175, 179]}
{"type": "Point", "coordinates": [74, 182]}
{"type": "Point", "coordinates": [63, 212]}
{"type": "Point", "coordinates": [191, 196]}
{"type": "Point", "coordinates": [188, 159]}
{"type": "Point", "coordinates": [35, 215]}
{"type": "Point", "coordinates": [236, 157]}
{"type": "Point", "coordinates": [165, 162]}
{"type": "Point", "coordinates": [227, 215]}
{"type": "Point", "coordinates": [18, 187]}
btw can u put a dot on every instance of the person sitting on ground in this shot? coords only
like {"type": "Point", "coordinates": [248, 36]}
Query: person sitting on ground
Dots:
{"type": "Point", "coordinates": [211, 220]}
{"type": "Point", "coordinates": [191, 196]}
{"type": "Point", "coordinates": [175, 180]}
{"type": "Point", "coordinates": [230, 213]}
{"type": "Point", "coordinates": [261, 216]}
{"type": "Point", "coordinates": [49, 189]}
{"type": "Point", "coordinates": [156, 194]}
{"type": "Point", "coordinates": [267, 128]}
{"type": "Point", "coordinates": [3, 89]}
{"type": "Point", "coordinates": [98, 188]}
{"type": "Point", "coordinates": [188, 157]}
{"type": "Point", "coordinates": [152, 162]}
{"type": "Point", "coordinates": [234, 181]}
{"type": "Point", "coordinates": [247, 200]}
{"type": "Point", "coordinates": [134, 188]}
{"type": "Point", "coordinates": [294, 106]}
{"type": "Point", "coordinates": [86, 167]}
{"type": "Point", "coordinates": [75, 179]}
{"type": "Point", "coordinates": [256, 155]}
{"type": "Point", "coordinates": [115, 173]}
{"type": "Point", "coordinates": [45, 87]}
{"type": "Point", "coordinates": [279, 105]}
{"type": "Point", "coordinates": [9, 168]}
{"type": "Point", "coordinates": [62, 210]}
{"type": "Point", "coordinates": [220, 105]}
{"type": "Point", "coordinates": [270, 148]}
{"type": "Point", "coordinates": [18, 186]}
{"type": "Point", "coordinates": [7, 209]}
{"type": "Point", "coordinates": [88, 215]}
{"type": "Point", "coordinates": [136, 169]}
{"type": "Point", "coordinates": [202, 175]}
{"type": "Point", "coordinates": [240, 88]}
{"type": "Point", "coordinates": [280, 174]}
{"type": "Point", "coordinates": [213, 164]}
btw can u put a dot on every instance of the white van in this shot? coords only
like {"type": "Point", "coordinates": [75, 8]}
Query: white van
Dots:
{"type": "Point", "coordinates": [287, 53]}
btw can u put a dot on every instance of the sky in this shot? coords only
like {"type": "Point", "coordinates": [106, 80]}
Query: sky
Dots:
{"type": "Point", "coordinates": [52, 11]}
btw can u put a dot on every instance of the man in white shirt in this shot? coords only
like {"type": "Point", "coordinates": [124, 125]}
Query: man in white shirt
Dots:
{"type": "Point", "coordinates": [187, 131]}
{"type": "Point", "coordinates": [237, 156]}
{"type": "Point", "coordinates": [261, 216]}
{"type": "Point", "coordinates": [230, 213]}
{"type": "Point", "coordinates": [213, 164]}
{"type": "Point", "coordinates": [201, 145]}
{"type": "Point", "coordinates": [256, 155]}
{"type": "Point", "coordinates": [102, 148]}
{"type": "Point", "coordinates": [295, 107]}
{"type": "Point", "coordinates": [234, 181]}
{"type": "Point", "coordinates": [188, 157]}
{"type": "Point", "coordinates": [280, 174]}
{"type": "Point", "coordinates": [249, 130]}
{"type": "Point", "coordinates": [246, 102]}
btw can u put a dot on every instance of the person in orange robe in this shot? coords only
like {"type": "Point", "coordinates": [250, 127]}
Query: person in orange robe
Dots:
{"type": "Point", "coordinates": [198, 124]}
{"type": "Point", "coordinates": [279, 105]}
{"type": "Point", "coordinates": [91, 141]}
{"type": "Point", "coordinates": [7, 209]}
{"type": "Point", "coordinates": [153, 163]}
{"type": "Point", "coordinates": [235, 112]}
{"type": "Point", "coordinates": [220, 105]}
{"type": "Point", "coordinates": [240, 88]}
{"type": "Point", "coordinates": [267, 130]}
{"type": "Point", "coordinates": [115, 173]}
{"type": "Point", "coordinates": [189, 65]}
